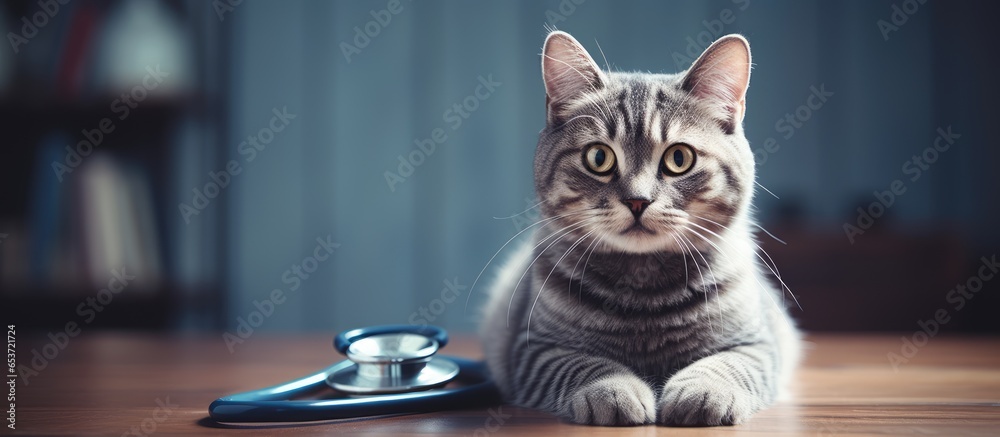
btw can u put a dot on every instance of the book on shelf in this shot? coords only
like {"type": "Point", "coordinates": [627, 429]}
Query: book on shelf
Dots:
{"type": "Point", "coordinates": [118, 226]}
{"type": "Point", "coordinates": [98, 223]}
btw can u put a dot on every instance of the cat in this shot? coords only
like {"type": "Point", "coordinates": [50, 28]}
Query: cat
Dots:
{"type": "Point", "coordinates": [642, 297]}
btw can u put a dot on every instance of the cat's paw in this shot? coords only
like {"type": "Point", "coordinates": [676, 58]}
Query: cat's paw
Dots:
{"type": "Point", "coordinates": [692, 399]}
{"type": "Point", "coordinates": [617, 400]}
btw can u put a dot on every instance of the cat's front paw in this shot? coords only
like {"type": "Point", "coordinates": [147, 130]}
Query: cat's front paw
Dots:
{"type": "Point", "coordinates": [692, 399]}
{"type": "Point", "coordinates": [618, 400]}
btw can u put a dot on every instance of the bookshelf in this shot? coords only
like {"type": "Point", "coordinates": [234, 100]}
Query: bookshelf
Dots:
{"type": "Point", "coordinates": [119, 206]}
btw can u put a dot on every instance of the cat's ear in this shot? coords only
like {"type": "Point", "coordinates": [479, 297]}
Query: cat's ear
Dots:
{"type": "Point", "coordinates": [568, 70]}
{"type": "Point", "coordinates": [720, 77]}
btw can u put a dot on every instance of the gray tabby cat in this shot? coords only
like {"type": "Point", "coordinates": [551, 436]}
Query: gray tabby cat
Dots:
{"type": "Point", "coordinates": [641, 298]}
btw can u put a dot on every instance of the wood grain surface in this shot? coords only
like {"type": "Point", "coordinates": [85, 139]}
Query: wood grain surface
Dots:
{"type": "Point", "coordinates": [111, 383]}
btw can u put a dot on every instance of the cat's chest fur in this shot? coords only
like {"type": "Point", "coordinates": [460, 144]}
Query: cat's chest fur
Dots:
{"type": "Point", "coordinates": [654, 314]}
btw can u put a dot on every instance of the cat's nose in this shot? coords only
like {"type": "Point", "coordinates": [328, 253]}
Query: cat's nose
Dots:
{"type": "Point", "coordinates": [637, 206]}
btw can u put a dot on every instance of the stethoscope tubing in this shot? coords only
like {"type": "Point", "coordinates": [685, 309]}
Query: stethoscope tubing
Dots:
{"type": "Point", "coordinates": [272, 404]}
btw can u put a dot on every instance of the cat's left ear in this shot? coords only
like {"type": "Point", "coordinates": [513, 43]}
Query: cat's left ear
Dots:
{"type": "Point", "coordinates": [720, 77]}
{"type": "Point", "coordinates": [568, 71]}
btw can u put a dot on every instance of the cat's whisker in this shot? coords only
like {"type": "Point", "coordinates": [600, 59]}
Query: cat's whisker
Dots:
{"type": "Point", "coordinates": [522, 212]}
{"type": "Point", "coordinates": [715, 281]}
{"type": "Point", "coordinates": [684, 253]}
{"type": "Point", "coordinates": [775, 270]}
{"type": "Point", "coordinates": [590, 97]}
{"type": "Point", "coordinates": [782, 281]}
{"type": "Point", "coordinates": [527, 333]}
{"type": "Point", "coordinates": [480, 275]}
{"type": "Point", "coordinates": [765, 189]}
{"type": "Point", "coordinates": [692, 249]}
{"type": "Point", "coordinates": [683, 257]}
{"type": "Point", "coordinates": [695, 249]}
{"type": "Point", "coordinates": [592, 100]}
{"type": "Point", "coordinates": [606, 64]}
{"type": "Point", "coordinates": [576, 118]}
{"type": "Point", "coordinates": [570, 228]}
{"type": "Point", "coordinates": [763, 289]}
{"type": "Point", "coordinates": [583, 274]}
{"type": "Point", "coordinates": [769, 234]}
{"type": "Point", "coordinates": [775, 265]}
{"type": "Point", "coordinates": [569, 287]}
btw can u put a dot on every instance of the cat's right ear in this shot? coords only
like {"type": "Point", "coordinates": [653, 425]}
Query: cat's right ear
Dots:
{"type": "Point", "coordinates": [568, 71]}
{"type": "Point", "coordinates": [720, 77]}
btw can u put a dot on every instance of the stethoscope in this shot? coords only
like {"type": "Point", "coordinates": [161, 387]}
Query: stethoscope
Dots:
{"type": "Point", "coordinates": [390, 370]}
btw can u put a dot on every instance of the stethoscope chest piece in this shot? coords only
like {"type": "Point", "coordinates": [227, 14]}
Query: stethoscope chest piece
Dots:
{"type": "Point", "coordinates": [393, 363]}
{"type": "Point", "coordinates": [391, 369]}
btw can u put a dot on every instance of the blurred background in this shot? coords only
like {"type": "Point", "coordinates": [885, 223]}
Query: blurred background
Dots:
{"type": "Point", "coordinates": [173, 163]}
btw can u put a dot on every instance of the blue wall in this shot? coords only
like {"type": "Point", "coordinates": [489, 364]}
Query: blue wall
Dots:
{"type": "Point", "coordinates": [325, 173]}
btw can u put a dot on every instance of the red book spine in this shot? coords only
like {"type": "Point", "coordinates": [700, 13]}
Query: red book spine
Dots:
{"type": "Point", "coordinates": [77, 47]}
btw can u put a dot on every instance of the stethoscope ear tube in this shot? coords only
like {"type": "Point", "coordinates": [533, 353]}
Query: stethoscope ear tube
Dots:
{"type": "Point", "coordinates": [272, 405]}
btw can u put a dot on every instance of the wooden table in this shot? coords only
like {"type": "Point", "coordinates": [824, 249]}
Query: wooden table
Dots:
{"type": "Point", "coordinates": [111, 383]}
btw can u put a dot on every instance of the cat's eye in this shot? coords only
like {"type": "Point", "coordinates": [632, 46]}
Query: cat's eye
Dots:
{"type": "Point", "coordinates": [599, 159]}
{"type": "Point", "coordinates": [678, 159]}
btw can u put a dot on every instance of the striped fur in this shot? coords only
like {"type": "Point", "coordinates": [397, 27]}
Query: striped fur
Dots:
{"type": "Point", "coordinates": [676, 324]}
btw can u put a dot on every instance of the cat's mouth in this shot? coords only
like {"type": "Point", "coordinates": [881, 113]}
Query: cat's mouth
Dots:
{"type": "Point", "coordinates": [638, 228]}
